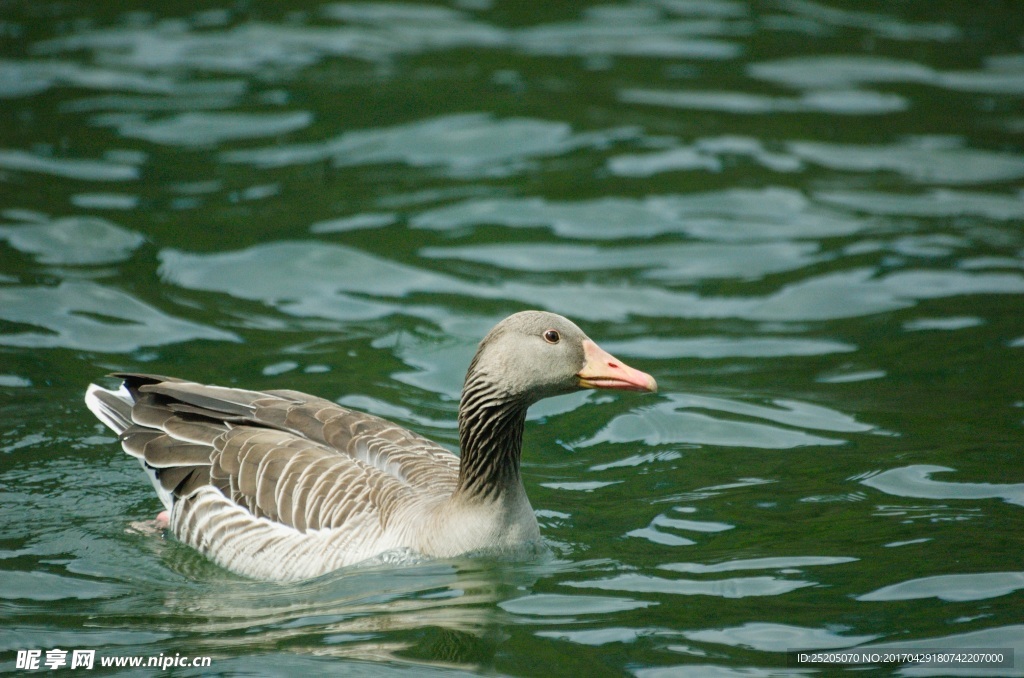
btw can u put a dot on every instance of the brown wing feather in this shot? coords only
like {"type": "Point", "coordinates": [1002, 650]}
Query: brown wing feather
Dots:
{"type": "Point", "coordinates": [293, 458]}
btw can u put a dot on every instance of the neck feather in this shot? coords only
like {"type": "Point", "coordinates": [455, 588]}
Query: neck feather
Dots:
{"type": "Point", "coordinates": [490, 437]}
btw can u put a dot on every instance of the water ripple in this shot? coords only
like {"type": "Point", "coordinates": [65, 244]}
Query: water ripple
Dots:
{"type": "Point", "coordinates": [669, 261]}
{"type": "Point", "coordinates": [837, 102]}
{"type": "Point", "coordinates": [920, 161]}
{"type": "Point", "coordinates": [951, 587]}
{"type": "Point", "coordinates": [731, 215]}
{"type": "Point", "coordinates": [554, 605]}
{"type": "Point", "coordinates": [849, 71]}
{"type": "Point", "coordinates": [660, 536]}
{"type": "Point", "coordinates": [668, 422]}
{"type": "Point", "coordinates": [661, 425]}
{"type": "Point", "coordinates": [716, 348]}
{"type": "Point", "coordinates": [30, 77]}
{"type": "Point", "coordinates": [915, 481]}
{"type": "Point", "coordinates": [314, 279]}
{"type": "Point", "coordinates": [376, 32]}
{"type": "Point", "coordinates": [86, 316]}
{"type": "Point", "coordinates": [768, 637]}
{"type": "Point", "coordinates": [72, 240]}
{"type": "Point", "coordinates": [207, 129]}
{"type": "Point", "coordinates": [768, 563]}
{"type": "Point", "coordinates": [68, 168]}
{"type": "Point", "coordinates": [741, 587]}
{"type": "Point", "coordinates": [934, 203]}
{"type": "Point", "coordinates": [633, 31]}
{"type": "Point", "coordinates": [466, 144]}
{"type": "Point", "coordinates": [716, 671]}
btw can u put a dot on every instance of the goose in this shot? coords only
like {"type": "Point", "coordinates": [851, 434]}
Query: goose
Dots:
{"type": "Point", "coordinates": [280, 485]}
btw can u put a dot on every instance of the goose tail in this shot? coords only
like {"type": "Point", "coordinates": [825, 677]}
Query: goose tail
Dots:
{"type": "Point", "coordinates": [114, 409]}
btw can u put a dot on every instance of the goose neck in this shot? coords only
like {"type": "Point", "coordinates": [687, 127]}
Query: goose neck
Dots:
{"type": "Point", "coordinates": [491, 440]}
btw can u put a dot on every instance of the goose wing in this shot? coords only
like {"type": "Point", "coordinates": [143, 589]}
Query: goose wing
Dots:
{"type": "Point", "coordinates": [294, 459]}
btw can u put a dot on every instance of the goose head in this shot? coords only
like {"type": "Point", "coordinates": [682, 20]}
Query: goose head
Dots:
{"type": "Point", "coordinates": [532, 355]}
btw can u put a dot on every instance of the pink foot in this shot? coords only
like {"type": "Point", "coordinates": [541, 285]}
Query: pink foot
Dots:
{"type": "Point", "coordinates": [163, 520]}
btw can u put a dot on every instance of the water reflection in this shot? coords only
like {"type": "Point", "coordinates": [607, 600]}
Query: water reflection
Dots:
{"type": "Point", "coordinates": [46, 587]}
{"type": "Point", "coordinates": [306, 278]}
{"type": "Point", "coordinates": [69, 240]}
{"type": "Point", "coordinates": [923, 160]}
{"type": "Point", "coordinates": [671, 421]}
{"type": "Point", "coordinates": [105, 201]}
{"type": "Point", "coordinates": [1001, 76]}
{"type": "Point", "coordinates": [737, 587]}
{"type": "Point", "coordinates": [824, 17]}
{"type": "Point", "coordinates": [668, 262]}
{"type": "Point", "coordinates": [837, 102]}
{"type": "Point", "coordinates": [603, 636]}
{"type": "Point", "coordinates": [731, 215]}
{"type": "Point", "coordinates": [332, 281]}
{"type": "Point", "coordinates": [933, 203]}
{"type": "Point", "coordinates": [716, 671]}
{"type": "Point", "coordinates": [557, 605]}
{"type": "Point", "coordinates": [467, 145]}
{"type": "Point", "coordinates": [655, 533]}
{"type": "Point", "coordinates": [206, 129]}
{"type": "Point", "coordinates": [768, 637]}
{"type": "Point", "coordinates": [30, 77]}
{"type": "Point", "coordinates": [377, 613]}
{"type": "Point", "coordinates": [951, 587]}
{"type": "Point", "coordinates": [88, 316]}
{"type": "Point", "coordinates": [67, 168]}
{"type": "Point", "coordinates": [633, 31]}
{"type": "Point", "coordinates": [916, 481]}
{"type": "Point", "coordinates": [782, 563]}
{"type": "Point", "coordinates": [378, 33]}
{"type": "Point", "coordinates": [717, 347]}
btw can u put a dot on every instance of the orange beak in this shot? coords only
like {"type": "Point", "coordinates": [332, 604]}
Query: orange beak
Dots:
{"type": "Point", "coordinates": [603, 370]}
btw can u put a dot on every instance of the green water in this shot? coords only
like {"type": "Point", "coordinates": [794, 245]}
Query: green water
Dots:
{"type": "Point", "coordinates": [803, 218]}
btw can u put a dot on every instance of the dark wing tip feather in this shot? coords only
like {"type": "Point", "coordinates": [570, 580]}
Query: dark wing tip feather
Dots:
{"type": "Point", "coordinates": [133, 381]}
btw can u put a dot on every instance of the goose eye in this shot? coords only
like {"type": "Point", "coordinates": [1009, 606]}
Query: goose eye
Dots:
{"type": "Point", "coordinates": [551, 336]}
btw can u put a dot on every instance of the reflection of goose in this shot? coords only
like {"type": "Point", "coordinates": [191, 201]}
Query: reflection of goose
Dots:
{"type": "Point", "coordinates": [283, 485]}
{"type": "Point", "coordinates": [453, 607]}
